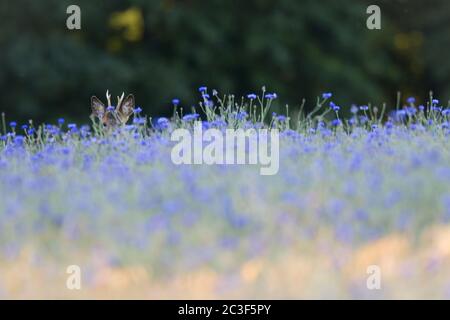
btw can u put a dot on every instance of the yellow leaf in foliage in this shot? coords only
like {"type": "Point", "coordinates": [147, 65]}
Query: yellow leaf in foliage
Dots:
{"type": "Point", "coordinates": [131, 20]}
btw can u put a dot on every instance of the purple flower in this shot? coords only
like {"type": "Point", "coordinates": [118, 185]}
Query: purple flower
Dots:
{"type": "Point", "coordinates": [327, 95]}
{"type": "Point", "coordinates": [241, 115]}
{"type": "Point", "coordinates": [190, 117]}
{"type": "Point", "coordinates": [363, 119]}
{"type": "Point", "coordinates": [271, 96]}
{"type": "Point", "coordinates": [334, 107]}
{"type": "Point", "coordinates": [139, 121]}
{"type": "Point", "coordinates": [162, 123]}
{"type": "Point", "coordinates": [19, 139]}
{"type": "Point", "coordinates": [434, 108]}
{"type": "Point", "coordinates": [336, 122]}
{"type": "Point", "coordinates": [411, 111]}
{"type": "Point", "coordinates": [202, 89]}
{"type": "Point", "coordinates": [176, 102]}
{"type": "Point", "coordinates": [251, 96]}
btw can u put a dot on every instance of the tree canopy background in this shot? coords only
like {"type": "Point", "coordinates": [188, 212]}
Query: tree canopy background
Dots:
{"type": "Point", "coordinates": [165, 49]}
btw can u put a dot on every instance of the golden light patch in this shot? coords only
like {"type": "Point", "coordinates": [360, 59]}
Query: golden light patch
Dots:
{"type": "Point", "coordinates": [387, 253]}
{"type": "Point", "coordinates": [251, 270]}
{"type": "Point", "coordinates": [121, 278]}
{"type": "Point", "coordinates": [438, 238]}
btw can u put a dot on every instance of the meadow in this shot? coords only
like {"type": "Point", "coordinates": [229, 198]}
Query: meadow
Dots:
{"type": "Point", "coordinates": [371, 188]}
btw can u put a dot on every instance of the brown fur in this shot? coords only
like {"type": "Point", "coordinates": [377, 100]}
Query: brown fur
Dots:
{"type": "Point", "coordinates": [116, 117]}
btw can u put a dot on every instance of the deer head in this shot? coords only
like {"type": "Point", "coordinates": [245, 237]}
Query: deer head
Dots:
{"type": "Point", "coordinates": [111, 116]}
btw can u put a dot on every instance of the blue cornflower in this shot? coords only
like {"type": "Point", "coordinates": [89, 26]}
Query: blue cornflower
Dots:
{"type": "Point", "coordinates": [13, 124]}
{"type": "Point", "coordinates": [421, 108]}
{"type": "Point", "coordinates": [137, 110]}
{"type": "Point", "coordinates": [202, 89]}
{"type": "Point", "coordinates": [363, 119]}
{"type": "Point", "coordinates": [434, 101]}
{"type": "Point", "coordinates": [281, 118]}
{"type": "Point", "coordinates": [190, 117]}
{"type": "Point", "coordinates": [361, 214]}
{"type": "Point", "coordinates": [219, 123]}
{"type": "Point", "coordinates": [354, 109]}
{"type": "Point", "coordinates": [411, 111]}
{"type": "Point", "coordinates": [271, 96]}
{"type": "Point", "coordinates": [19, 139]}
{"type": "Point", "coordinates": [446, 112]}
{"type": "Point", "coordinates": [364, 108]}
{"type": "Point", "coordinates": [251, 96]}
{"type": "Point", "coordinates": [139, 120]}
{"type": "Point", "coordinates": [434, 108]}
{"type": "Point", "coordinates": [336, 122]}
{"type": "Point", "coordinates": [241, 115]}
{"type": "Point", "coordinates": [24, 127]}
{"type": "Point", "coordinates": [72, 126]}
{"type": "Point", "coordinates": [175, 102]}
{"type": "Point", "coordinates": [327, 95]}
{"type": "Point", "coordinates": [110, 108]}
{"type": "Point", "coordinates": [334, 107]}
{"type": "Point", "coordinates": [162, 120]}
{"type": "Point", "coordinates": [401, 113]}
{"type": "Point", "coordinates": [411, 100]}
{"type": "Point", "coordinates": [61, 121]}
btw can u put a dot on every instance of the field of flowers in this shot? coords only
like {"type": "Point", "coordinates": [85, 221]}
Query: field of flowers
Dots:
{"type": "Point", "coordinates": [369, 189]}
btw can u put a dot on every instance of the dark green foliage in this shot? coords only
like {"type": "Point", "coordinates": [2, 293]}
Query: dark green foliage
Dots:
{"type": "Point", "coordinates": [296, 48]}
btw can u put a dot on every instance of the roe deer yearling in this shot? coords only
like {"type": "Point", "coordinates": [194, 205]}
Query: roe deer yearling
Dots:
{"type": "Point", "coordinates": [110, 116]}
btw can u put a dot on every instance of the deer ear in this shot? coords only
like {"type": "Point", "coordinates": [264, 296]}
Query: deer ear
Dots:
{"type": "Point", "coordinates": [125, 109]}
{"type": "Point", "coordinates": [98, 108]}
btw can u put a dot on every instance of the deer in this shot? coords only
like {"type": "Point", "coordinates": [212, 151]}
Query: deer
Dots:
{"type": "Point", "coordinates": [109, 116]}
